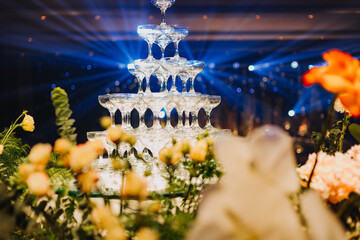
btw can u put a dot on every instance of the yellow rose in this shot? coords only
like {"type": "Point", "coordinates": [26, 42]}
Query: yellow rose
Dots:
{"type": "Point", "coordinates": [115, 133]}
{"type": "Point", "coordinates": [25, 169]}
{"type": "Point", "coordinates": [40, 153]}
{"type": "Point", "coordinates": [129, 138]}
{"type": "Point", "coordinates": [116, 233]}
{"type": "Point", "coordinates": [198, 152]}
{"type": "Point", "coordinates": [63, 146]}
{"type": "Point", "coordinates": [154, 207]}
{"type": "Point", "coordinates": [134, 186]}
{"type": "Point", "coordinates": [165, 155]}
{"type": "Point", "coordinates": [28, 123]}
{"type": "Point", "coordinates": [38, 183]}
{"type": "Point", "coordinates": [175, 156]}
{"type": "Point", "coordinates": [146, 233]}
{"type": "Point", "coordinates": [105, 122]}
{"type": "Point", "coordinates": [103, 218]}
{"type": "Point", "coordinates": [88, 180]}
{"type": "Point", "coordinates": [97, 145]}
{"type": "Point", "coordinates": [81, 157]}
{"type": "Point", "coordinates": [1, 148]}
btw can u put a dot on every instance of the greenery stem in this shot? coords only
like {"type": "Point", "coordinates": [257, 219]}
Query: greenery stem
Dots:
{"type": "Point", "coordinates": [12, 128]}
{"type": "Point", "coordinates": [323, 136]}
{"type": "Point", "coordinates": [346, 122]}
{"type": "Point", "coordinates": [122, 192]}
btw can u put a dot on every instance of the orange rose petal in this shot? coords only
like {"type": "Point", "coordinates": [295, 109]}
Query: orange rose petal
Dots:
{"type": "Point", "coordinates": [351, 102]}
{"type": "Point", "coordinates": [336, 84]}
{"type": "Point", "coordinates": [313, 76]}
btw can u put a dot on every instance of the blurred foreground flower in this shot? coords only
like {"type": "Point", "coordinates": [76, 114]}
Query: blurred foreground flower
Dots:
{"type": "Point", "coordinates": [1, 148]}
{"type": "Point", "coordinates": [146, 234]}
{"type": "Point", "coordinates": [340, 76]}
{"type": "Point", "coordinates": [82, 156]}
{"type": "Point", "coordinates": [40, 153]}
{"type": "Point", "coordinates": [28, 123]}
{"type": "Point", "coordinates": [88, 180]}
{"type": "Point", "coordinates": [198, 152]}
{"type": "Point", "coordinates": [134, 186]}
{"type": "Point", "coordinates": [335, 176]}
{"type": "Point", "coordinates": [105, 122]}
{"type": "Point", "coordinates": [38, 183]}
{"type": "Point", "coordinates": [105, 221]}
{"type": "Point", "coordinates": [252, 200]}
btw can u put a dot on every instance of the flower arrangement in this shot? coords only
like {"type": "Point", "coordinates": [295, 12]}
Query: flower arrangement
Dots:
{"type": "Point", "coordinates": [50, 192]}
{"type": "Point", "coordinates": [57, 186]}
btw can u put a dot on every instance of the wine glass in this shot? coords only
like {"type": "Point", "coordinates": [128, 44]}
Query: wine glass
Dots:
{"type": "Point", "coordinates": [162, 42]}
{"type": "Point", "coordinates": [105, 101]}
{"type": "Point", "coordinates": [163, 5]}
{"type": "Point", "coordinates": [162, 75]}
{"type": "Point", "coordinates": [174, 66]}
{"type": "Point", "coordinates": [149, 33]}
{"type": "Point", "coordinates": [184, 76]}
{"type": "Point", "coordinates": [93, 135]}
{"type": "Point", "coordinates": [147, 67]}
{"type": "Point", "coordinates": [176, 34]}
{"type": "Point", "coordinates": [139, 75]}
{"type": "Point", "coordinates": [212, 102]}
{"type": "Point", "coordinates": [193, 68]}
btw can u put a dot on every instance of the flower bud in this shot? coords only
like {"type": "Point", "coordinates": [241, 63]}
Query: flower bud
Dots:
{"type": "Point", "coordinates": [198, 152]}
{"type": "Point", "coordinates": [63, 146]}
{"type": "Point", "coordinates": [88, 180]}
{"type": "Point", "coordinates": [115, 133]}
{"type": "Point", "coordinates": [146, 233]}
{"type": "Point", "coordinates": [105, 122]}
{"type": "Point", "coordinates": [97, 145]}
{"type": "Point", "coordinates": [40, 153]}
{"type": "Point", "coordinates": [134, 186]}
{"type": "Point", "coordinates": [129, 138]}
{"type": "Point", "coordinates": [81, 157]}
{"type": "Point", "coordinates": [28, 123]}
{"type": "Point", "coordinates": [38, 183]}
{"type": "Point", "coordinates": [165, 155]}
{"type": "Point", "coordinates": [25, 169]}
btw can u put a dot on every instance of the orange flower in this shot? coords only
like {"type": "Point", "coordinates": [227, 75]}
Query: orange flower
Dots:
{"type": "Point", "coordinates": [88, 180]}
{"type": "Point", "coordinates": [340, 76]}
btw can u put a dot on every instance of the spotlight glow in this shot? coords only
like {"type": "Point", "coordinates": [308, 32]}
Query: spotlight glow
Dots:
{"type": "Point", "coordinates": [236, 65]}
{"type": "Point", "coordinates": [291, 113]}
{"type": "Point", "coordinates": [294, 64]}
{"type": "Point", "coordinates": [162, 114]}
{"type": "Point", "coordinates": [251, 68]}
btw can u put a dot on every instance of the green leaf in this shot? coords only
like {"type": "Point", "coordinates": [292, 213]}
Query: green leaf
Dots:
{"type": "Point", "coordinates": [354, 130]}
{"type": "Point", "coordinates": [63, 112]}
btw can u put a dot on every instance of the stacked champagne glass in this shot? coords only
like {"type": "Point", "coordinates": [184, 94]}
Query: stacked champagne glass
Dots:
{"type": "Point", "coordinates": [150, 140]}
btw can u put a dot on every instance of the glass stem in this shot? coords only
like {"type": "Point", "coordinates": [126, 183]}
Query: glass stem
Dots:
{"type": "Point", "coordinates": [140, 85]}
{"type": "Point", "coordinates": [165, 85]}
{"type": "Point", "coordinates": [184, 86]}
{"type": "Point", "coordinates": [194, 119]}
{"type": "Point", "coordinates": [187, 119]}
{"type": "Point", "coordinates": [147, 90]}
{"type": "Point", "coordinates": [112, 116]}
{"type": "Point", "coordinates": [142, 119]}
{"type": "Point", "coordinates": [173, 87]}
{"type": "Point", "coordinates": [150, 51]}
{"type": "Point", "coordinates": [168, 112]}
{"type": "Point", "coordinates": [163, 11]}
{"type": "Point", "coordinates": [208, 122]}
{"type": "Point", "coordinates": [176, 44]}
{"type": "Point", "coordinates": [124, 119]}
{"type": "Point", "coordinates": [180, 119]}
{"type": "Point", "coordinates": [192, 89]}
